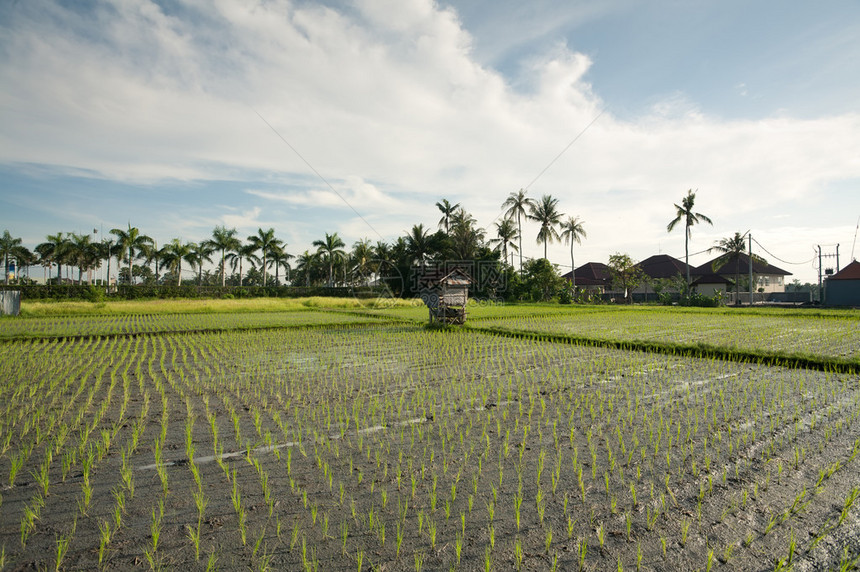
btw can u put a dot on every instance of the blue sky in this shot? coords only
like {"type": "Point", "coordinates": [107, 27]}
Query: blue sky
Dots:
{"type": "Point", "coordinates": [150, 113]}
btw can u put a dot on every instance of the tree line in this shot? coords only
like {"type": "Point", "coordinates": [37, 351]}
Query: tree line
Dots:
{"type": "Point", "coordinates": [262, 259]}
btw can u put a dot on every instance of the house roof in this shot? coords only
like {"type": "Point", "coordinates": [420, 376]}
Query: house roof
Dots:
{"type": "Point", "coordinates": [850, 272]}
{"type": "Point", "coordinates": [712, 278]}
{"type": "Point", "coordinates": [591, 274]}
{"type": "Point", "coordinates": [663, 266]}
{"type": "Point", "coordinates": [740, 263]}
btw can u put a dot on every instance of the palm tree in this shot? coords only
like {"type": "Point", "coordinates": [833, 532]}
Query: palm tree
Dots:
{"type": "Point", "coordinates": [418, 244]}
{"type": "Point", "coordinates": [466, 236]}
{"type": "Point", "coordinates": [237, 257]}
{"type": "Point", "coordinates": [362, 255]}
{"type": "Point", "coordinates": [83, 253]}
{"type": "Point", "coordinates": [264, 241]}
{"type": "Point", "coordinates": [517, 203]}
{"type": "Point", "coordinates": [225, 241]}
{"type": "Point", "coordinates": [447, 210]}
{"type": "Point", "coordinates": [545, 212]}
{"type": "Point", "coordinates": [305, 264]}
{"type": "Point", "coordinates": [173, 253]}
{"type": "Point", "coordinates": [200, 252]}
{"type": "Point", "coordinates": [506, 233]}
{"type": "Point", "coordinates": [280, 257]}
{"type": "Point", "coordinates": [731, 249]}
{"type": "Point", "coordinates": [685, 213]}
{"type": "Point", "coordinates": [8, 246]}
{"type": "Point", "coordinates": [572, 231]}
{"type": "Point", "coordinates": [329, 249]}
{"type": "Point", "coordinates": [54, 251]}
{"type": "Point", "coordinates": [131, 243]}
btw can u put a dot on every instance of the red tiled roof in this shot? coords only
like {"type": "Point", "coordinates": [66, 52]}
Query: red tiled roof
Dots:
{"type": "Point", "coordinates": [850, 272]}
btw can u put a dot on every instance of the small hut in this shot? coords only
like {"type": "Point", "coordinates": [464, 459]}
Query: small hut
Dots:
{"type": "Point", "coordinates": [445, 292]}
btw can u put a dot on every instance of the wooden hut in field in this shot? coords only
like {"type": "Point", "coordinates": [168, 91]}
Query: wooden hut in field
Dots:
{"type": "Point", "coordinates": [446, 293]}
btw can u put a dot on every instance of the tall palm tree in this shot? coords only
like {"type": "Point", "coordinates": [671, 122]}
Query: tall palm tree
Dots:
{"type": "Point", "coordinates": [304, 264]}
{"type": "Point", "coordinates": [8, 246]}
{"type": "Point", "coordinates": [517, 203]}
{"type": "Point", "coordinates": [545, 212]}
{"type": "Point", "coordinates": [83, 253]}
{"type": "Point", "coordinates": [466, 236]}
{"type": "Point", "coordinates": [418, 244]}
{"type": "Point", "coordinates": [264, 241]}
{"type": "Point", "coordinates": [239, 255]}
{"type": "Point", "coordinates": [362, 256]}
{"type": "Point", "coordinates": [279, 257]}
{"type": "Point", "coordinates": [200, 252]}
{"type": "Point", "coordinates": [131, 243]}
{"type": "Point", "coordinates": [223, 240]}
{"type": "Point", "coordinates": [54, 251]}
{"type": "Point", "coordinates": [330, 248]}
{"type": "Point", "coordinates": [447, 210]}
{"type": "Point", "coordinates": [572, 231]}
{"type": "Point", "coordinates": [174, 252]}
{"type": "Point", "coordinates": [24, 258]}
{"type": "Point", "coordinates": [685, 212]}
{"type": "Point", "coordinates": [506, 234]}
{"type": "Point", "coordinates": [731, 249]}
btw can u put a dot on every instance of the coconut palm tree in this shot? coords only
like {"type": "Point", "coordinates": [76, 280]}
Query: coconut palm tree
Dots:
{"type": "Point", "coordinates": [572, 231]}
{"type": "Point", "coordinates": [362, 257]}
{"type": "Point", "coordinates": [224, 241]}
{"type": "Point", "coordinates": [506, 235]}
{"type": "Point", "coordinates": [131, 243]}
{"type": "Point", "coordinates": [279, 257]}
{"type": "Point", "coordinates": [174, 252]}
{"type": "Point", "coordinates": [447, 210]}
{"type": "Point", "coordinates": [545, 212]}
{"type": "Point", "coordinates": [418, 244]}
{"type": "Point", "coordinates": [685, 212]}
{"type": "Point", "coordinates": [517, 203]}
{"type": "Point", "coordinates": [8, 246]}
{"type": "Point", "coordinates": [83, 253]}
{"type": "Point", "coordinates": [239, 255]}
{"type": "Point", "coordinates": [200, 252]}
{"type": "Point", "coordinates": [466, 236]}
{"type": "Point", "coordinates": [329, 249]}
{"type": "Point", "coordinates": [731, 249]}
{"type": "Point", "coordinates": [54, 251]}
{"type": "Point", "coordinates": [264, 241]}
{"type": "Point", "coordinates": [305, 264]}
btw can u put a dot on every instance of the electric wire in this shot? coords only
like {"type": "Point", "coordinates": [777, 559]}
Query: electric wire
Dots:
{"type": "Point", "coordinates": [317, 173]}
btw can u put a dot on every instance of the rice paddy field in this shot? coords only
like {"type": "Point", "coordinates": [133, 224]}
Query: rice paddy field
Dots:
{"type": "Point", "coordinates": [348, 438]}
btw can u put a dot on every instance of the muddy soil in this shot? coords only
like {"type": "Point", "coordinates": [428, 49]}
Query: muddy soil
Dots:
{"type": "Point", "coordinates": [400, 449]}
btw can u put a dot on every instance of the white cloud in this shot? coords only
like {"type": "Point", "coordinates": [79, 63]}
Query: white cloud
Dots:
{"type": "Point", "coordinates": [395, 112]}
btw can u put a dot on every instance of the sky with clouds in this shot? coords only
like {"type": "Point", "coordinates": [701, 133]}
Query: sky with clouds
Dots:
{"type": "Point", "coordinates": [356, 117]}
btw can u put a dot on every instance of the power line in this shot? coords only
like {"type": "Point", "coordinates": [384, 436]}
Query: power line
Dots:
{"type": "Point", "coordinates": [772, 255]}
{"type": "Point", "coordinates": [323, 179]}
{"type": "Point", "coordinates": [557, 157]}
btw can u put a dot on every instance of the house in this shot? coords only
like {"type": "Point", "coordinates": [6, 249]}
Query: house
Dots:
{"type": "Point", "coordinates": [767, 277]}
{"type": "Point", "coordinates": [593, 276]}
{"type": "Point", "coordinates": [660, 267]}
{"type": "Point", "coordinates": [843, 288]}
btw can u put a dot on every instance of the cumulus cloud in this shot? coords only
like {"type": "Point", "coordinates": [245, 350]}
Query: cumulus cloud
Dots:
{"type": "Point", "coordinates": [396, 112]}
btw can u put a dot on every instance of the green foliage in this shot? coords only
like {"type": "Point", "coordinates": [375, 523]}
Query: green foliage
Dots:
{"type": "Point", "coordinates": [540, 282]}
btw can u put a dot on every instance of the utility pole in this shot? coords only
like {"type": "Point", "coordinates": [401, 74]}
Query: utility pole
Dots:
{"type": "Point", "coordinates": [821, 292]}
{"type": "Point", "coordinates": [751, 273]}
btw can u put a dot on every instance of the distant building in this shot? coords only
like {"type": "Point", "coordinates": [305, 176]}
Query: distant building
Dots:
{"type": "Point", "coordinates": [843, 288]}
{"type": "Point", "coordinates": [768, 278]}
{"type": "Point", "coordinates": [594, 276]}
